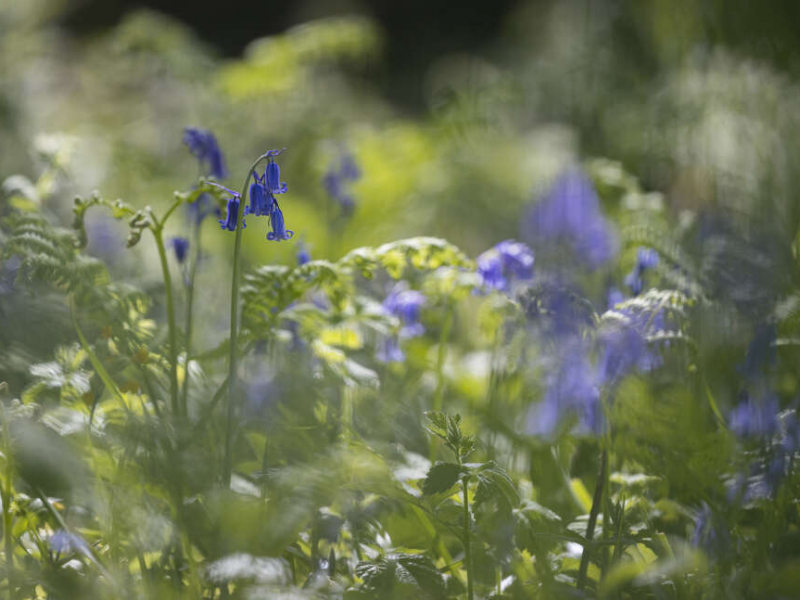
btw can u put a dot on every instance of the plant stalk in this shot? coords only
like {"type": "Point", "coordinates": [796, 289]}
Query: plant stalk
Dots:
{"type": "Point", "coordinates": [189, 315]}
{"type": "Point", "coordinates": [467, 549]}
{"type": "Point", "coordinates": [158, 234]}
{"type": "Point", "coordinates": [233, 357]}
{"type": "Point", "coordinates": [596, 502]}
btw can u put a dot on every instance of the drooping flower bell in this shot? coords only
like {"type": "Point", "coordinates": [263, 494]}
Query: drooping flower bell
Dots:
{"type": "Point", "coordinates": [232, 216]}
{"type": "Point", "coordinates": [261, 199]}
{"type": "Point", "coordinates": [337, 179]}
{"type": "Point", "coordinates": [506, 262]}
{"type": "Point", "coordinates": [203, 145]}
{"type": "Point", "coordinates": [406, 305]}
{"type": "Point", "coordinates": [181, 247]}
{"type": "Point", "coordinates": [646, 258]}
{"type": "Point", "coordinates": [303, 254]}
{"type": "Point", "coordinates": [279, 231]}
{"type": "Point", "coordinates": [272, 178]}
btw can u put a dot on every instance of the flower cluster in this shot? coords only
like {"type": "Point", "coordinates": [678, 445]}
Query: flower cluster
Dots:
{"type": "Point", "coordinates": [570, 214]}
{"type": "Point", "coordinates": [203, 145]}
{"type": "Point", "coordinates": [406, 305]}
{"type": "Point", "coordinates": [646, 258]}
{"type": "Point", "coordinates": [263, 202]}
{"type": "Point", "coordinates": [336, 182]}
{"type": "Point", "coordinates": [506, 262]}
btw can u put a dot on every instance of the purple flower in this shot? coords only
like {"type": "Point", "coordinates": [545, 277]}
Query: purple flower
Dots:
{"type": "Point", "coordinates": [203, 144]}
{"type": "Point", "coordinates": [261, 200]}
{"type": "Point", "coordinates": [279, 231]}
{"type": "Point", "coordinates": [336, 180]}
{"type": "Point", "coordinates": [506, 262]}
{"type": "Point", "coordinates": [389, 350]}
{"type": "Point", "coordinates": [232, 217]}
{"type": "Point", "coordinates": [198, 210]}
{"type": "Point", "coordinates": [709, 534]}
{"type": "Point", "coordinates": [303, 254]}
{"type": "Point", "coordinates": [570, 214]}
{"type": "Point", "coordinates": [571, 388]}
{"type": "Point", "coordinates": [761, 353]}
{"type": "Point", "coordinates": [64, 542]}
{"type": "Point", "coordinates": [181, 247]}
{"type": "Point", "coordinates": [646, 258]}
{"type": "Point", "coordinates": [272, 178]}
{"type": "Point", "coordinates": [755, 418]}
{"type": "Point", "coordinates": [406, 305]}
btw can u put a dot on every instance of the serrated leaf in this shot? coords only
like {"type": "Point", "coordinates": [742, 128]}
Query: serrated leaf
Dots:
{"type": "Point", "coordinates": [441, 477]}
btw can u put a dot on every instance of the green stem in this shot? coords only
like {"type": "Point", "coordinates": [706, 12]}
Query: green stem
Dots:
{"type": "Point", "coordinates": [467, 549]}
{"type": "Point", "coordinates": [8, 540]}
{"type": "Point", "coordinates": [188, 328]}
{"type": "Point", "coordinates": [232, 358]}
{"type": "Point", "coordinates": [441, 356]}
{"type": "Point", "coordinates": [158, 234]}
{"type": "Point", "coordinates": [596, 502]}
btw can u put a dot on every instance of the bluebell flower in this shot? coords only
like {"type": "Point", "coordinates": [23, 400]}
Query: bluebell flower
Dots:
{"type": "Point", "coordinates": [303, 254]}
{"type": "Point", "coordinates": [646, 258]}
{"type": "Point", "coordinates": [570, 214]}
{"type": "Point", "coordinates": [406, 305]}
{"type": "Point", "coordinates": [232, 217]}
{"type": "Point", "coordinates": [261, 199]}
{"type": "Point", "coordinates": [279, 231]}
{"type": "Point", "coordinates": [8, 274]}
{"type": "Point", "coordinates": [614, 297]}
{"type": "Point", "coordinates": [506, 262]}
{"type": "Point", "coordinates": [709, 534]}
{"type": "Point", "coordinates": [203, 145]}
{"type": "Point", "coordinates": [204, 206]}
{"type": "Point", "coordinates": [761, 352]}
{"type": "Point", "coordinates": [272, 178]}
{"type": "Point", "coordinates": [623, 350]}
{"type": "Point", "coordinates": [389, 350]}
{"type": "Point", "coordinates": [571, 388]}
{"type": "Point", "coordinates": [181, 247]}
{"type": "Point", "coordinates": [755, 418]}
{"type": "Point", "coordinates": [336, 180]}
{"type": "Point", "coordinates": [64, 542]}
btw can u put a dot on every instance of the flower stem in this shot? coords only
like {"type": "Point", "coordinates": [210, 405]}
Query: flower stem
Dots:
{"type": "Point", "coordinates": [189, 315]}
{"type": "Point", "coordinates": [233, 357]}
{"type": "Point", "coordinates": [596, 502]}
{"type": "Point", "coordinates": [8, 541]}
{"type": "Point", "coordinates": [158, 234]}
{"type": "Point", "coordinates": [467, 549]}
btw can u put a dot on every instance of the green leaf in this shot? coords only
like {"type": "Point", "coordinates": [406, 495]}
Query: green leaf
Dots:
{"type": "Point", "coordinates": [398, 573]}
{"type": "Point", "coordinates": [441, 477]}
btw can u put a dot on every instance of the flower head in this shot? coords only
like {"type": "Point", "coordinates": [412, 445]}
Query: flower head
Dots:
{"type": "Point", "coordinates": [570, 214]}
{"type": "Point", "coordinates": [272, 178]}
{"type": "Point", "coordinates": [505, 262]}
{"type": "Point", "coordinates": [646, 258]}
{"type": "Point", "coordinates": [181, 247]}
{"type": "Point", "coordinates": [303, 254]}
{"type": "Point", "coordinates": [232, 217]}
{"type": "Point", "coordinates": [336, 180]}
{"type": "Point", "coordinates": [64, 542]}
{"type": "Point", "coordinates": [203, 144]}
{"type": "Point", "coordinates": [755, 418]}
{"type": "Point", "coordinates": [279, 231]}
{"type": "Point", "coordinates": [198, 210]}
{"type": "Point", "coordinates": [389, 351]}
{"type": "Point", "coordinates": [261, 200]}
{"type": "Point", "coordinates": [406, 305]}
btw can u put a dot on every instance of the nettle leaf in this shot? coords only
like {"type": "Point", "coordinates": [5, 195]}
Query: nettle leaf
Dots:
{"type": "Point", "coordinates": [394, 572]}
{"type": "Point", "coordinates": [494, 483]}
{"type": "Point", "coordinates": [441, 477]}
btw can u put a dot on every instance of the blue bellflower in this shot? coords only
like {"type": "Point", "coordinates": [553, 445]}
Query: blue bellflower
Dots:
{"type": "Point", "coordinates": [232, 216]}
{"type": "Point", "coordinates": [389, 350]}
{"type": "Point", "coordinates": [406, 305]}
{"type": "Point", "coordinates": [755, 418]}
{"type": "Point", "coordinates": [646, 258]}
{"type": "Point", "coordinates": [303, 254]}
{"type": "Point", "coordinates": [204, 206]}
{"type": "Point", "coordinates": [279, 231]}
{"type": "Point", "coordinates": [203, 144]}
{"type": "Point", "coordinates": [761, 353]}
{"type": "Point", "coordinates": [336, 182]}
{"type": "Point", "coordinates": [64, 542]}
{"type": "Point", "coordinates": [506, 262]}
{"type": "Point", "coordinates": [570, 214]}
{"type": "Point", "coordinates": [181, 247]}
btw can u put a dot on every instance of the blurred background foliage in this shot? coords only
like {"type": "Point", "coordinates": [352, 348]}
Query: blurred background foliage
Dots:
{"type": "Point", "coordinates": [461, 119]}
